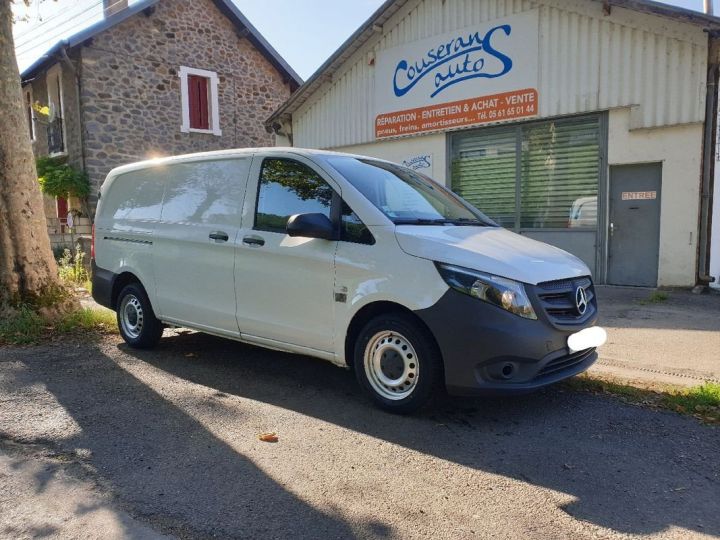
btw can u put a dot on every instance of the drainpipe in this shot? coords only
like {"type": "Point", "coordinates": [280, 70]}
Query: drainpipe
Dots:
{"type": "Point", "coordinates": [708, 171]}
{"type": "Point", "coordinates": [69, 63]}
{"type": "Point", "coordinates": [708, 7]}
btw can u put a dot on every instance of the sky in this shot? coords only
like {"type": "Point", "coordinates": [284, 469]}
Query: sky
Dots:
{"type": "Point", "coordinates": [304, 32]}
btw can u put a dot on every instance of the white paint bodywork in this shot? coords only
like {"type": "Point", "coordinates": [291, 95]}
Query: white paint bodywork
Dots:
{"type": "Point", "coordinates": [493, 250]}
{"type": "Point", "coordinates": [282, 295]}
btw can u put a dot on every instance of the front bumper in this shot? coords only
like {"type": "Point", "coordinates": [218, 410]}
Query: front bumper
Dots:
{"type": "Point", "coordinates": [487, 350]}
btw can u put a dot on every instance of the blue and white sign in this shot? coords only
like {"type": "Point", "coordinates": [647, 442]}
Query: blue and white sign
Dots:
{"type": "Point", "coordinates": [493, 58]}
{"type": "Point", "coordinates": [420, 162]}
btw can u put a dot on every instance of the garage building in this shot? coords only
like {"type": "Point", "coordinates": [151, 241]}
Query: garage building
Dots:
{"type": "Point", "coordinates": [581, 123]}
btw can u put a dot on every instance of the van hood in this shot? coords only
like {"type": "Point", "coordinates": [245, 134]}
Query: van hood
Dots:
{"type": "Point", "coordinates": [492, 250]}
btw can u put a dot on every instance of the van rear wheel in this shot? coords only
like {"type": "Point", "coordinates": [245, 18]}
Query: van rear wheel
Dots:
{"type": "Point", "coordinates": [136, 319]}
{"type": "Point", "coordinates": [397, 363]}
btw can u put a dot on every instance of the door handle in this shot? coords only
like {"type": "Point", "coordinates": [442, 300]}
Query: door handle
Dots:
{"type": "Point", "coordinates": [253, 241]}
{"type": "Point", "coordinates": [219, 235]}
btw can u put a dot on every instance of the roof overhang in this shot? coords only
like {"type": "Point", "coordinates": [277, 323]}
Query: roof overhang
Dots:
{"type": "Point", "coordinates": [690, 16]}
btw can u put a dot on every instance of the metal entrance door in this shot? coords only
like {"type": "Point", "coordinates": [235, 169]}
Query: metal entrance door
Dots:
{"type": "Point", "coordinates": [634, 226]}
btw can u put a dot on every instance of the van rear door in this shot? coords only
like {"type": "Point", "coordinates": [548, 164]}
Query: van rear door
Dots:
{"type": "Point", "coordinates": [195, 242]}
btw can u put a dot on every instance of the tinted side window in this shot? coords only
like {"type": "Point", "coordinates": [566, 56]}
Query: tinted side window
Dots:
{"type": "Point", "coordinates": [354, 230]}
{"type": "Point", "coordinates": [288, 188]}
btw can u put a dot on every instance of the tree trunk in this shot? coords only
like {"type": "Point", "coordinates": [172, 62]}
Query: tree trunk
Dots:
{"type": "Point", "coordinates": [28, 272]}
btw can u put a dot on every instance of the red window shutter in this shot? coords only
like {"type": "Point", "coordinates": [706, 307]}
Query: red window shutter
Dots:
{"type": "Point", "coordinates": [198, 102]}
{"type": "Point", "coordinates": [62, 209]}
{"type": "Point", "coordinates": [204, 109]}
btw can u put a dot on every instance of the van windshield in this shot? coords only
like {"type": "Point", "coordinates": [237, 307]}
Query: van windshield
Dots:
{"type": "Point", "coordinates": [405, 196]}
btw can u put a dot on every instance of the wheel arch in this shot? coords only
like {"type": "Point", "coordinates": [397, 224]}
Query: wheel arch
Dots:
{"type": "Point", "coordinates": [121, 281]}
{"type": "Point", "coordinates": [372, 310]}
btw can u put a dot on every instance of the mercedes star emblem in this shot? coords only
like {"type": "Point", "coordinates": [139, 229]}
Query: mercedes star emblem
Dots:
{"type": "Point", "coordinates": [581, 302]}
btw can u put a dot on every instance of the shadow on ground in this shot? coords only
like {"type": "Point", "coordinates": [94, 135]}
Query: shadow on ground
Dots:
{"type": "Point", "coordinates": [163, 465]}
{"type": "Point", "coordinates": [629, 469]}
{"type": "Point", "coordinates": [626, 466]}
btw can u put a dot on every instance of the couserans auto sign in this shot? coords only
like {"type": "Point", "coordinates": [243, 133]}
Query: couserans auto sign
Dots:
{"type": "Point", "coordinates": [471, 76]}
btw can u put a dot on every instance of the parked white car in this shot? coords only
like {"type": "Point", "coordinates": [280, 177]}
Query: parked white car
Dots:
{"type": "Point", "coordinates": [583, 213]}
{"type": "Point", "coordinates": [355, 260]}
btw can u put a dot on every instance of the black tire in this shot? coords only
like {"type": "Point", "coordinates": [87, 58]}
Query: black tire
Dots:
{"type": "Point", "coordinates": [147, 330]}
{"type": "Point", "coordinates": [394, 336]}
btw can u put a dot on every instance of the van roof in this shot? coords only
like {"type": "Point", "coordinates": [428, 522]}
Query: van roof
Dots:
{"type": "Point", "coordinates": [202, 156]}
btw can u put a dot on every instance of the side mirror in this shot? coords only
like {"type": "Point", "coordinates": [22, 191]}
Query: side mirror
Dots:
{"type": "Point", "coordinates": [311, 226]}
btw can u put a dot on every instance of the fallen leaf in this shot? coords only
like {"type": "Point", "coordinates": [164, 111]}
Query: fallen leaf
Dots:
{"type": "Point", "coordinates": [190, 354]}
{"type": "Point", "coordinates": [268, 437]}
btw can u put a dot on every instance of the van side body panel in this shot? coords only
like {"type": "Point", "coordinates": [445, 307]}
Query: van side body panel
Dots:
{"type": "Point", "coordinates": [128, 212]}
{"type": "Point", "coordinates": [196, 242]}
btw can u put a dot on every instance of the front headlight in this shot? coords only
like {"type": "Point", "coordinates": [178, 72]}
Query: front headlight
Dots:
{"type": "Point", "coordinates": [504, 293]}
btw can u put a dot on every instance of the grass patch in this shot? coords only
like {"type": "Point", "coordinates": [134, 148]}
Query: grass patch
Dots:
{"type": "Point", "coordinates": [702, 402]}
{"type": "Point", "coordinates": [24, 326]}
{"type": "Point", "coordinates": [86, 319]}
{"type": "Point", "coordinates": [657, 297]}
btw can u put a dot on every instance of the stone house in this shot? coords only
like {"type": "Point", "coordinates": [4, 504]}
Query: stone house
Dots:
{"type": "Point", "coordinates": [153, 78]}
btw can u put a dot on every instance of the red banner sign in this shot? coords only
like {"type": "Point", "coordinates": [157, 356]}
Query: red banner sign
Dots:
{"type": "Point", "coordinates": [467, 112]}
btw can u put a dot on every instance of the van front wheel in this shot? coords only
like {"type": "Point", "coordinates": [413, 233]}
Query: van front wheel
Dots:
{"type": "Point", "coordinates": [397, 363]}
{"type": "Point", "coordinates": [136, 320]}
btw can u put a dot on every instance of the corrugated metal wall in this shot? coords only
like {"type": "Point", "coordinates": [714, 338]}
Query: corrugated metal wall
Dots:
{"type": "Point", "coordinates": [588, 62]}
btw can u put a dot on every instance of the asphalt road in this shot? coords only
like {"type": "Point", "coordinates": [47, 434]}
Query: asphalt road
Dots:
{"type": "Point", "coordinates": [97, 440]}
{"type": "Point", "coordinates": [675, 341]}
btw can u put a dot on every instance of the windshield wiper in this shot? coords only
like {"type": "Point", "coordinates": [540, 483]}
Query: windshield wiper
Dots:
{"type": "Point", "coordinates": [442, 221]}
{"type": "Point", "coordinates": [422, 221]}
{"type": "Point", "coordinates": [468, 221]}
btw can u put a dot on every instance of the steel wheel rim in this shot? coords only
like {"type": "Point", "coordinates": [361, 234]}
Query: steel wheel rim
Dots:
{"type": "Point", "coordinates": [131, 316]}
{"type": "Point", "coordinates": [391, 365]}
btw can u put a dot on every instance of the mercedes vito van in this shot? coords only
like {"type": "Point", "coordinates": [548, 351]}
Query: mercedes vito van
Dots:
{"type": "Point", "coordinates": [351, 259]}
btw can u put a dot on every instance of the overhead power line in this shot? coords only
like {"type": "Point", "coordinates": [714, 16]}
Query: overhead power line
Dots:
{"type": "Point", "coordinates": [31, 31]}
{"type": "Point", "coordinates": [32, 43]}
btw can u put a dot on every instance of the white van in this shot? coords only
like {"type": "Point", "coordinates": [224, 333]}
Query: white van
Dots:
{"type": "Point", "coordinates": [358, 261]}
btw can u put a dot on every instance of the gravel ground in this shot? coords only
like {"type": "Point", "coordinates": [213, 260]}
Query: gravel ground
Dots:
{"type": "Point", "coordinates": [97, 440]}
